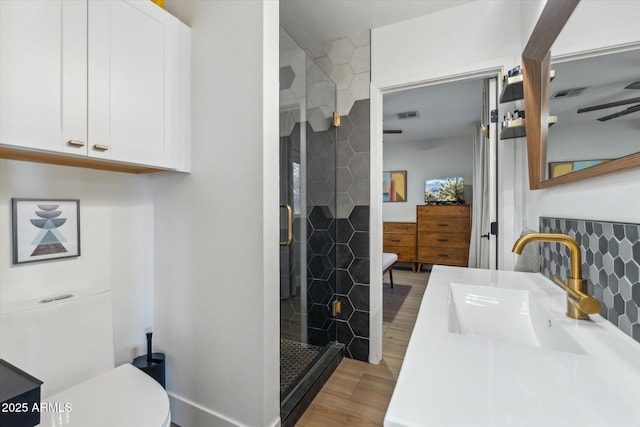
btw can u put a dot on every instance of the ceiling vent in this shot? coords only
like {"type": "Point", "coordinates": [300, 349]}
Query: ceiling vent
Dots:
{"type": "Point", "coordinates": [407, 115]}
{"type": "Point", "coordinates": [568, 93]}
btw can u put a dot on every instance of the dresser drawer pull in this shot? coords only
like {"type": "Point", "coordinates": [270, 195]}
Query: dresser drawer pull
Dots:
{"type": "Point", "coordinates": [100, 147]}
{"type": "Point", "coordinates": [395, 240]}
{"type": "Point", "coordinates": [443, 240]}
{"type": "Point", "coordinates": [443, 225]}
{"type": "Point", "coordinates": [76, 143]}
{"type": "Point", "coordinates": [443, 255]}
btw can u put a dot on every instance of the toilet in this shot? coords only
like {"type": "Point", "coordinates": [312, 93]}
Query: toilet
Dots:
{"type": "Point", "coordinates": [68, 344]}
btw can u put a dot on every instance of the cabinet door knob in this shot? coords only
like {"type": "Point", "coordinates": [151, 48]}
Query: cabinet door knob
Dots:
{"type": "Point", "coordinates": [76, 143]}
{"type": "Point", "coordinates": [100, 147]}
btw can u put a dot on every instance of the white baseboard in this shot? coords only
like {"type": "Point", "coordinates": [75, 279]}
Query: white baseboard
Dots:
{"type": "Point", "coordinates": [186, 413]}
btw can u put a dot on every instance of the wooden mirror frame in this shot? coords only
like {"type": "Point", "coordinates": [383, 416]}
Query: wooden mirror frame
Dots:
{"type": "Point", "coordinates": [535, 71]}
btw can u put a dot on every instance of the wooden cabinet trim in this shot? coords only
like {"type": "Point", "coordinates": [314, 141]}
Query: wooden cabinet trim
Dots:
{"type": "Point", "coordinates": [73, 161]}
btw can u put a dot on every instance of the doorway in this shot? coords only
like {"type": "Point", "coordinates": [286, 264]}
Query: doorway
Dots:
{"type": "Point", "coordinates": [431, 129]}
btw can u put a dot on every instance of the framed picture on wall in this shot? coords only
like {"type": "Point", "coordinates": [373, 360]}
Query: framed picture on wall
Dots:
{"type": "Point", "coordinates": [394, 186]}
{"type": "Point", "coordinates": [45, 229]}
{"type": "Point", "coordinates": [557, 169]}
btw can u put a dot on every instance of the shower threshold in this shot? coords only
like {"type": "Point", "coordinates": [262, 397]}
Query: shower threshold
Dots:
{"type": "Point", "coordinates": [297, 395]}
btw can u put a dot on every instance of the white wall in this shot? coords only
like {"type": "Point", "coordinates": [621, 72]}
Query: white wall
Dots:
{"type": "Point", "coordinates": [609, 198]}
{"type": "Point", "coordinates": [465, 38]}
{"type": "Point", "coordinates": [216, 230]}
{"type": "Point", "coordinates": [597, 24]}
{"type": "Point", "coordinates": [530, 12]}
{"type": "Point", "coordinates": [426, 160]}
{"type": "Point", "coordinates": [116, 230]}
{"type": "Point", "coordinates": [593, 25]}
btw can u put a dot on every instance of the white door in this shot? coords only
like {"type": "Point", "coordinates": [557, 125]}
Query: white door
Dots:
{"type": "Point", "coordinates": [43, 74]}
{"type": "Point", "coordinates": [127, 82]}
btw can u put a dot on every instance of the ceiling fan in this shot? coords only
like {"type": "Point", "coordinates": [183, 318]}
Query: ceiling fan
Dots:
{"type": "Point", "coordinates": [629, 110]}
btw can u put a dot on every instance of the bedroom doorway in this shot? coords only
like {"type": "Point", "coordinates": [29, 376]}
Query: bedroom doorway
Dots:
{"type": "Point", "coordinates": [454, 91]}
{"type": "Point", "coordinates": [441, 138]}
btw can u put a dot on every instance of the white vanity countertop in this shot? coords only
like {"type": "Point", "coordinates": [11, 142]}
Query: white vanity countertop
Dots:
{"type": "Point", "coordinates": [449, 379]}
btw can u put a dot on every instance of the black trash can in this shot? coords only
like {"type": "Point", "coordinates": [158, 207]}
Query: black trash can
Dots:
{"type": "Point", "coordinates": [155, 367]}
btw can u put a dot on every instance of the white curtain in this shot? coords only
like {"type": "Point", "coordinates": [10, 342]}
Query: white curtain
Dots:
{"type": "Point", "coordinates": [480, 220]}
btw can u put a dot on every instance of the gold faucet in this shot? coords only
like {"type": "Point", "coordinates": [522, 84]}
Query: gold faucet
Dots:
{"type": "Point", "coordinates": [579, 304]}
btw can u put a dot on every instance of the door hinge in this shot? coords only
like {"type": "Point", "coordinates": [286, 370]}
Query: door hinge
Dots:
{"type": "Point", "coordinates": [494, 116]}
{"type": "Point", "coordinates": [485, 131]}
{"type": "Point", "coordinates": [336, 119]}
{"type": "Point", "coordinates": [336, 308]}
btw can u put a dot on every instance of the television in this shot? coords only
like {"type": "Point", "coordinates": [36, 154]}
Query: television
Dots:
{"type": "Point", "coordinates": [448, 190]}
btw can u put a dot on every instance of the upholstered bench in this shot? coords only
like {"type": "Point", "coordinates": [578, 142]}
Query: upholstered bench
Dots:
{"type": "Point", "coordinates": [388, 261]}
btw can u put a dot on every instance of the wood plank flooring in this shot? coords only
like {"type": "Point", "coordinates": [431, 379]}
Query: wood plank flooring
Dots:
{"type": "Point", "coordinates": [358, 393]}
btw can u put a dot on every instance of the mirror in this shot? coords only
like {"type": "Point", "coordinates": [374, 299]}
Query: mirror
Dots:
{"type": "Point", "coordinates": [543, 141]}
{"type": "Point", "coordinates": [597, 102]}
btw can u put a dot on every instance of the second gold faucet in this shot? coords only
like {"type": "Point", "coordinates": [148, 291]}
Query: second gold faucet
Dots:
{"type": "Point", "coordinates": [579, 304]}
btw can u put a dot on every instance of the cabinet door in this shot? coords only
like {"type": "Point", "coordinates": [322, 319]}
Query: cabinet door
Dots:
{"type": "Point", "coordinates": [43, 74]}
{"type": "Point", "coordinates": [127, 102]}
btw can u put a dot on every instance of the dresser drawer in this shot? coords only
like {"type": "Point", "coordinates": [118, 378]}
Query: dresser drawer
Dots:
{"type": "Point", "coordinates": [394, 239]}
{"type": "Point", "coordinates": [405, 254]}
{"type": "Point", "coordinates": [461, 211]}
{"type": "Point", "coordinates": [443, 255]}
{"type": "Point", "coordinates": [444, 225]}
{"type": "Point", "coordinates": [452, 240]}
{"type": "Point", "coordinates": [399, 227]}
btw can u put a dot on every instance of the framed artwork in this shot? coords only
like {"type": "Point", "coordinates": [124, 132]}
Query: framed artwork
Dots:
{"type": "Point", "coordinates": [557, 169]}
{"type": "Point", "coordinates": [45, 229]}
{"type": "Point", "coordinates": [394, 186]}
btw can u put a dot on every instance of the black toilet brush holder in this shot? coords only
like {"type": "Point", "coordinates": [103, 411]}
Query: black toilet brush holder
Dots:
{"type": "Point", "coordinates": [152, 363]}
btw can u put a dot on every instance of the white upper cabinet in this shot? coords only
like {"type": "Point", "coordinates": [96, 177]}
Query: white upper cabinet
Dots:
{"type": "Point", "coordinates": [131, 49]}
{"type": "Point", "coordinates": [43, 74]}
{"type": "Point", "coordinates": [115, 75]}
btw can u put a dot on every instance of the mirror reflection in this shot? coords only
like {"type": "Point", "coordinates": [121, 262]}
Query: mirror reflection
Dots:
{"type": "Point", "coordinates": [597, 102]}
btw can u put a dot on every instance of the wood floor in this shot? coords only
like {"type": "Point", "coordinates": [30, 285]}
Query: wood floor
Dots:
{"type": "Point", "coordinates": [358, 393]}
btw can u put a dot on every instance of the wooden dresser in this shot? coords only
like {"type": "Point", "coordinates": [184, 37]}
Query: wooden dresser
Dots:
{"type": "Point", "coordinates": [444, 232]}
{"type": "Point", "coordinates": [400, 238]}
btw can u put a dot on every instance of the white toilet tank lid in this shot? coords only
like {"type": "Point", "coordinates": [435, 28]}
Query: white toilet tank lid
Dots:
{"type": "Point", "coordinates": [123, 397]}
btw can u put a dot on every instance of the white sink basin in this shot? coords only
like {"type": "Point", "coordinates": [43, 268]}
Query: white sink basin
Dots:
{"type": "Point", "coordinates": [495, 348]}
{"type": "Point", "coordinates": [506, 314]}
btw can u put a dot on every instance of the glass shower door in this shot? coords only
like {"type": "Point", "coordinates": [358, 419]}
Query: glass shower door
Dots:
{"type": "Point", "coordinates": [307, 232]}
